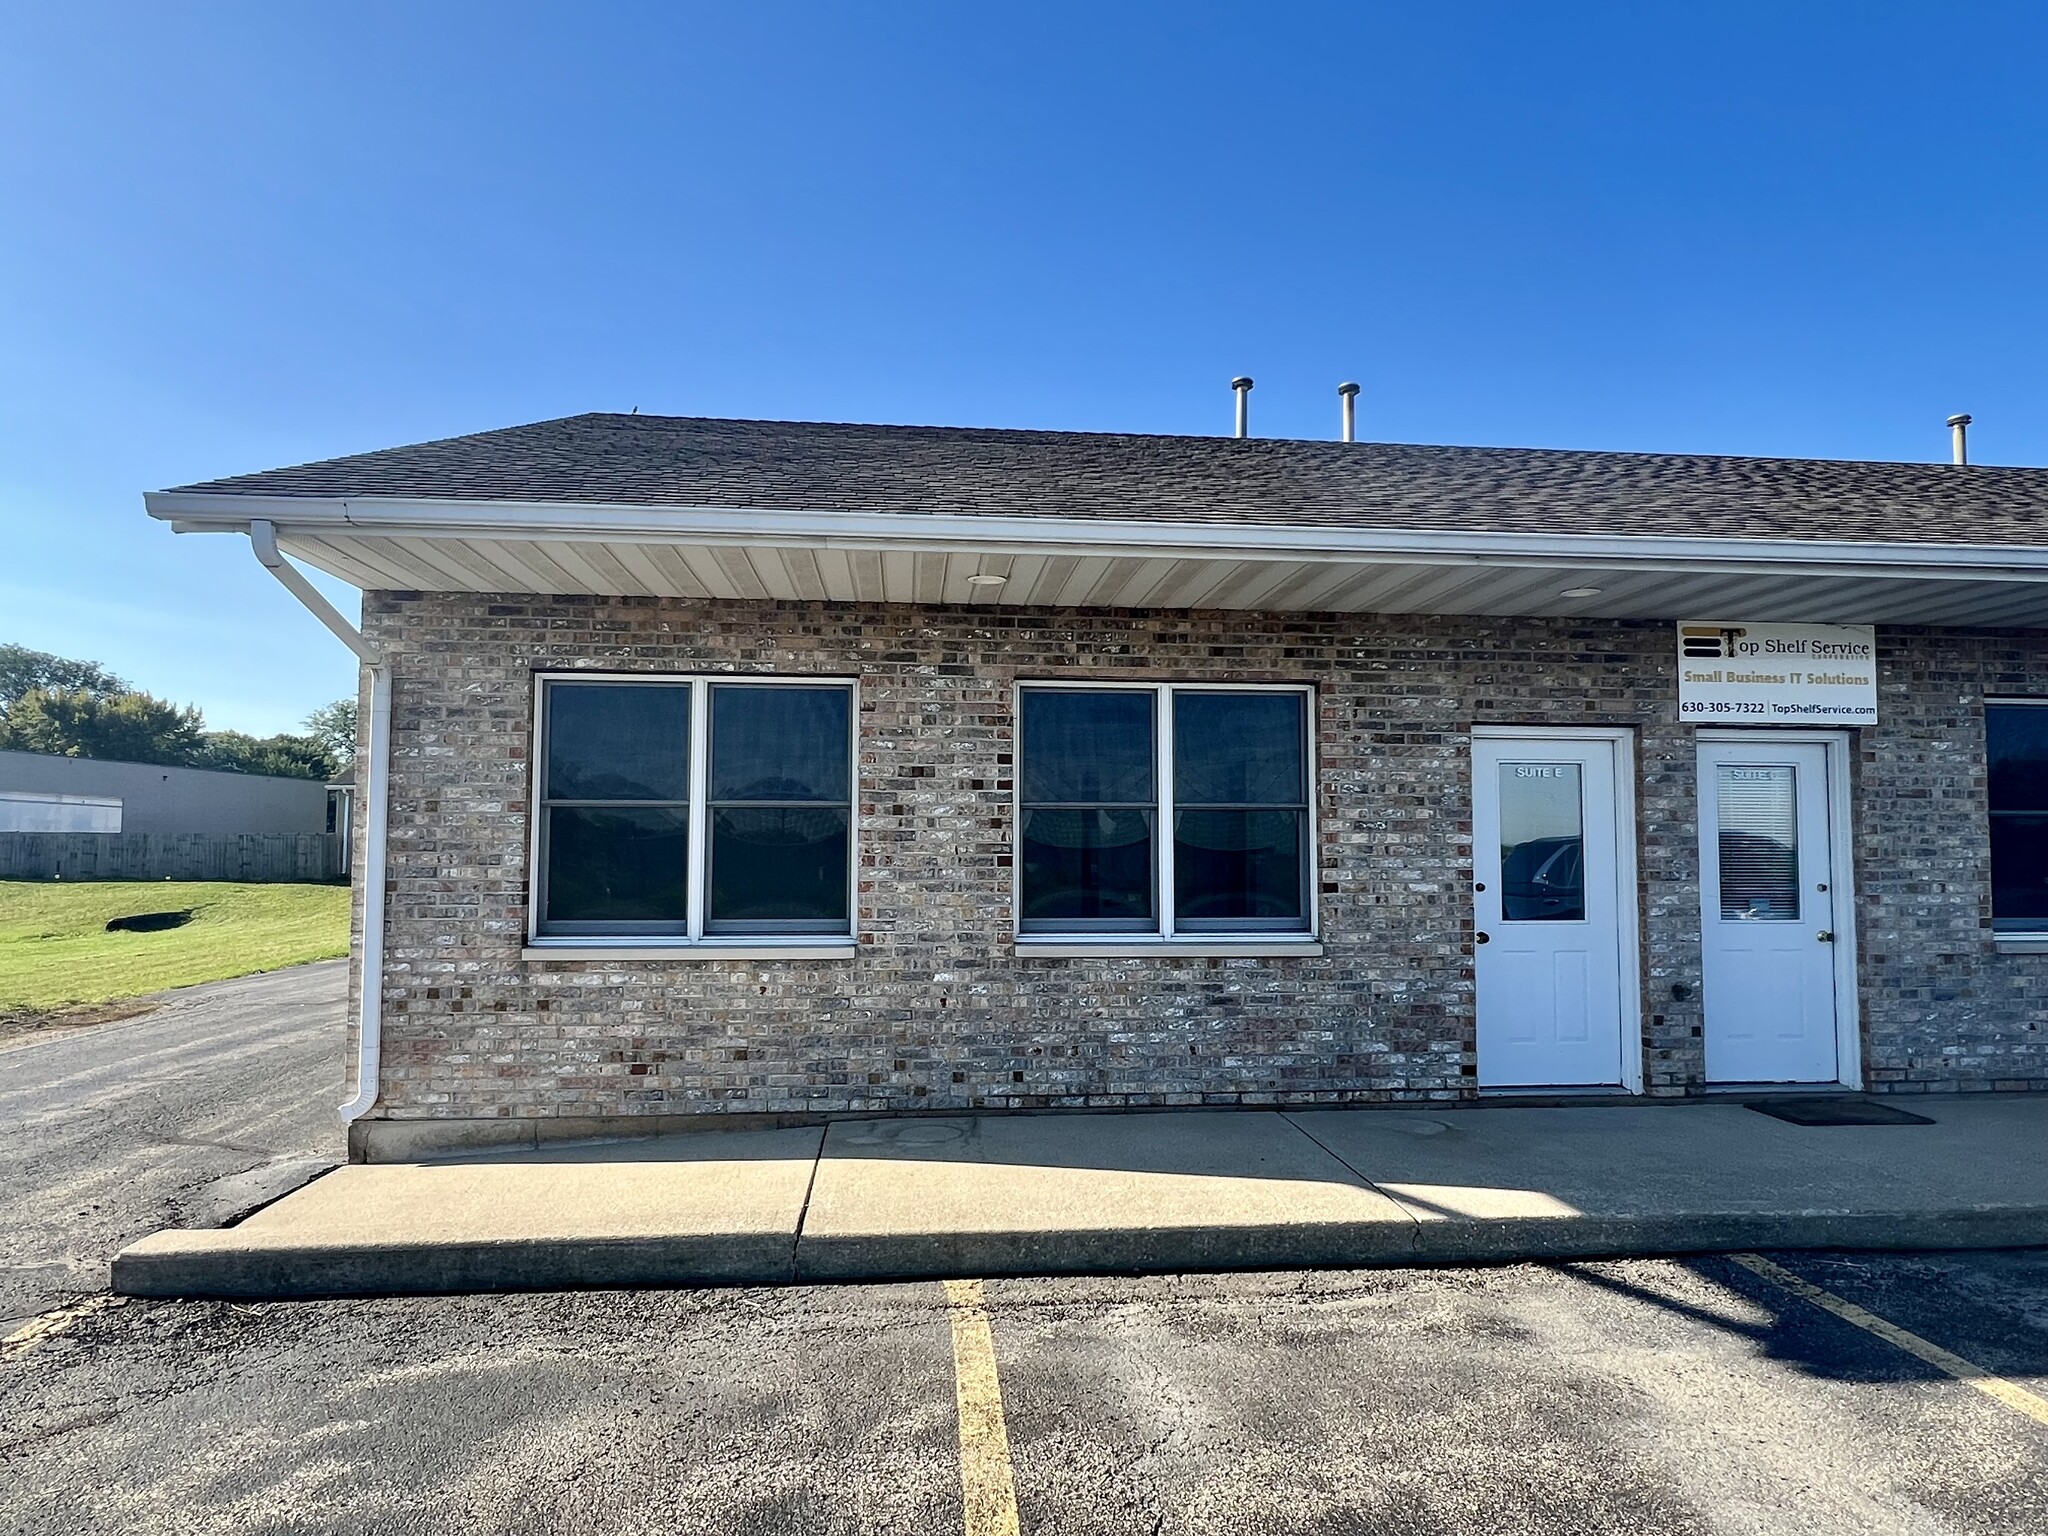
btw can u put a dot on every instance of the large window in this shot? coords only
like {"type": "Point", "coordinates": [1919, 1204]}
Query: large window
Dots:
{"type": "Point", "coordinates": [27, 810]}
{"type": "Point", "coordinates": [1162, 811]}
{"type": "Point", "coordinates": [691, 808]}
{"type": "Point", "coordinates": [2016, 735]}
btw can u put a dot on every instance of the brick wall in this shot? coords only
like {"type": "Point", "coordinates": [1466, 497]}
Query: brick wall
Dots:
{"type": "Point", "coordinates": [938, 1011]}
{"type": "Point", "coordinates": [1941, 1011]}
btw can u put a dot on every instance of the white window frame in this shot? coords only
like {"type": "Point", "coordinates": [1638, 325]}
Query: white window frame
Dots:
{"type": "Point", "coordinates": [694, 942]}
{"type": "Point", "coordinates": [1166, 940]}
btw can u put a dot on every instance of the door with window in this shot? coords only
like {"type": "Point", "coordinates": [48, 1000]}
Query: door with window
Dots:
{"type": "Point", "coordinates": [1550, 863]}
{"type": "Point", "coordinates": [1767, 911]}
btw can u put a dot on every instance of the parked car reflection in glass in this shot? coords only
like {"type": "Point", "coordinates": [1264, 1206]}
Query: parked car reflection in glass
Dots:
{"type": "Point", "coordinates": [1544, 880]}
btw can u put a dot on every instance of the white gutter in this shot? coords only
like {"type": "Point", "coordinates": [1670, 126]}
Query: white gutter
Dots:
{"type": "Point", "coordinates": [376, 755]}
{"type": "Point", "coordinates": [995, 534]}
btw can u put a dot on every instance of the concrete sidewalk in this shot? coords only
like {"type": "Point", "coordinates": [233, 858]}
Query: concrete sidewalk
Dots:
{"type": "Point", "coordinates": [1197, 1190]}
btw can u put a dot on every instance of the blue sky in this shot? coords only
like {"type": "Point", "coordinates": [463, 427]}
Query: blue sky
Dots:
{"type": "Point", "coordinates": [245, 236]}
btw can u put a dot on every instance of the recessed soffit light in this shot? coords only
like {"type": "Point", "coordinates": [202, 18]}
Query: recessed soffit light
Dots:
{"type": "Point", "coordinates": [1580, 592]}
{"type": "Point", "coordinates": [986, 579]}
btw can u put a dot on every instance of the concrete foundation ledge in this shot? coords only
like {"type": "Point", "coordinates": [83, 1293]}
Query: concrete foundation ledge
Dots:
{"type": "Point", "coordinates": [955, 1255]}
{"type": "Point", "coordinates": [228, 1264]}
{"type": "Point", "coordinates": [405, 1141]}
{"type": "Point", "coordinates": [222, 1264]}
{"type": "Point", "coordinates": [1136, 1251]}
{"type": "Point", "coordinates": [1514, 1240]}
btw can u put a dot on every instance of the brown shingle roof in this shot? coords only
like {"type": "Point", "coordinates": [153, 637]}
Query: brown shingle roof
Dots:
{"type": "Point", "coordinates": [824, 466]}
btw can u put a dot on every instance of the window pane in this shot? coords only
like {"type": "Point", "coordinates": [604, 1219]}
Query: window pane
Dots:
{"type": "Point", "coordinates": [2019, 872]}
{"type": "Point", "coordinates": [1542, 844]}
{"type": "Point", "coordinates": [1087, 748]}
{"type": "Point", "coordinates": [624, 866]}
{"type": "Point", "coordinates": [1237, 864]}
{"type": "Point", "coordinates": [1087, 864]}
{"type": "Point", "coordinates": [2017, 740]}
{"type": "Point", "coordinates": [1238, 749]}
{"type": "Point", "coordinates": [779, 866]}
{"type": "Point", "coordinates": [774, 743]}
{"type": "Point", "coordinates": [25, 810]}
{"type": "Point", "coordinates": [618, 741]}
{"type": "Point", "coordinates": [1759, 822]}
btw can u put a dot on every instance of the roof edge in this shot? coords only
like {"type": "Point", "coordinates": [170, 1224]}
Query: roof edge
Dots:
{"type": "Point", "coordinates": [398, 517]}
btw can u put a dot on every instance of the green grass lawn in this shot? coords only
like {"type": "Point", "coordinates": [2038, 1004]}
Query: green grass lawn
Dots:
{"type": "Point", "coordinates": [55, 951]}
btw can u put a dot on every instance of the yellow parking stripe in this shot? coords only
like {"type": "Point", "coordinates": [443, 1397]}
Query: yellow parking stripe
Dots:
{"type": "Point", "coordinates": [51, 1324]}
{"type": "Point", "coordinates": [2014, 1396]}
{"type": "Point", "coordinates": [985, 1486]}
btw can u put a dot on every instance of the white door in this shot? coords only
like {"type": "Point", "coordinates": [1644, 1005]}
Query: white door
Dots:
{"type": "Point", "coordinates": [1766, 912]}
{"type": "Point", "coordinates": [1546, 897]}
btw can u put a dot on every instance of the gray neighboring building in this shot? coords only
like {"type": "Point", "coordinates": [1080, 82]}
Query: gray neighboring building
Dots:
{"type": "Point", "coordinates": [772, 768]}
{"type": "Point", "coordinates": [41, 793]}
{"type": "Point", "coordinates": [341, 815]}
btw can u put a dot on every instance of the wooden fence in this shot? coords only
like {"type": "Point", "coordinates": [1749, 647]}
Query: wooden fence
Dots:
{"type": "Point", "coordinates": [268, 859]}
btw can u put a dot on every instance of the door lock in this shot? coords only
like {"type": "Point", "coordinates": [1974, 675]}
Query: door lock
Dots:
{"type": "Point", "coordinates": [1826, 936]}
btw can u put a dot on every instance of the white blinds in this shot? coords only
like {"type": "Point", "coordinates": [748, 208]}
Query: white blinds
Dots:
{"type": "Point", "coordinates": [1759, 821]}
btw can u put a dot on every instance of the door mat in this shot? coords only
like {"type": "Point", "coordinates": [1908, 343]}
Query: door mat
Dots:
{"type": "Point", "coordinates": [1835, 1112]}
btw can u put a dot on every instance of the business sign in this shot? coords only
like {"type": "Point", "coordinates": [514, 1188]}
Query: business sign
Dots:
{"type": "Point", "coordinates": [1777, 674]}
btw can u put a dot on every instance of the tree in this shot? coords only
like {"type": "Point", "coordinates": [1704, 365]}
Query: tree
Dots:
{"type": "Point", "coordinates": [289, 757]}
{"type": "Point", "coordinates": [79, 709]}
{"type": "Point", "coordinates": [78, 722]}
{"type": "Point", "coordinates": [22, 670]}
{"type": "Point", "coordinates": [333, 726]}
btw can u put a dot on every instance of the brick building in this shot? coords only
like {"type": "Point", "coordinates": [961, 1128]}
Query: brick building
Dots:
{"type": "Point", "coordinates": [782, 769]}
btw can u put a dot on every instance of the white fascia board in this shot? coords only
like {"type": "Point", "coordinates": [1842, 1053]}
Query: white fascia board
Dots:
{"type": "Point", "coordinates": [989, 534]}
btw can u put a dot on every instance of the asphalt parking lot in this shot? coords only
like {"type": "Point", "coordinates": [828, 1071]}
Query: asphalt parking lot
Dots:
{"type": "Point", "coordinates": [218, 1100]}
{"type": "Point", "coordinates": [1641, 1396]}
{"type": "Point", "coordinates": [1644, 1396]}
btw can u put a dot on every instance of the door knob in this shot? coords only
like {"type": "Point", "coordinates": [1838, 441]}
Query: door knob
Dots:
{"type": "Point", "coordinates": [1480, 937]}
{"type": "Point", "coordinates": [1826, 936]}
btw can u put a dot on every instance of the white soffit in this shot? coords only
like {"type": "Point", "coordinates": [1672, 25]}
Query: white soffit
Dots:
{"type": "Point", "coordinates": [515, 548]}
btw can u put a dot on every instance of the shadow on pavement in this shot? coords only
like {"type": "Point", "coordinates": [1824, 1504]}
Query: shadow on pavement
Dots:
{"type": "Point", "coordinates": [1813, 1341]}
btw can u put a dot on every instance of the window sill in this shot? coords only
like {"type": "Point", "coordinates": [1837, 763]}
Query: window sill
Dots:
{"type": "Point", "coordinates": [2021, 943]}
{"type": "Point", "coordinates": [1217, 947]}
{"type": "Point", "coordinates": [711, 949]}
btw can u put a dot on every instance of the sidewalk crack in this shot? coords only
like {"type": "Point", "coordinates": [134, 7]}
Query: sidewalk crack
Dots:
{"type": "Point", "coordinates": [1414, 1220]}
{"type": "Point", "coordinates": [803, 1211]}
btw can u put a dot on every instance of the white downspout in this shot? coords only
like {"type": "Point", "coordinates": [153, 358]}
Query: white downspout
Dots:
{"type": "Point", "coordinates": [377, 794]}
{"type": "Point", "coordinates": [375, 754]}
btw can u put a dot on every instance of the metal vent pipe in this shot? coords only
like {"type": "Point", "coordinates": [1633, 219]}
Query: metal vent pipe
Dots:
{"type": "Point", "coordinates": [1349, 394]}
{"type": "Point", "coordinates": [1958, 433]}
{"type": "Point", "coordinates": [1243, 388]}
